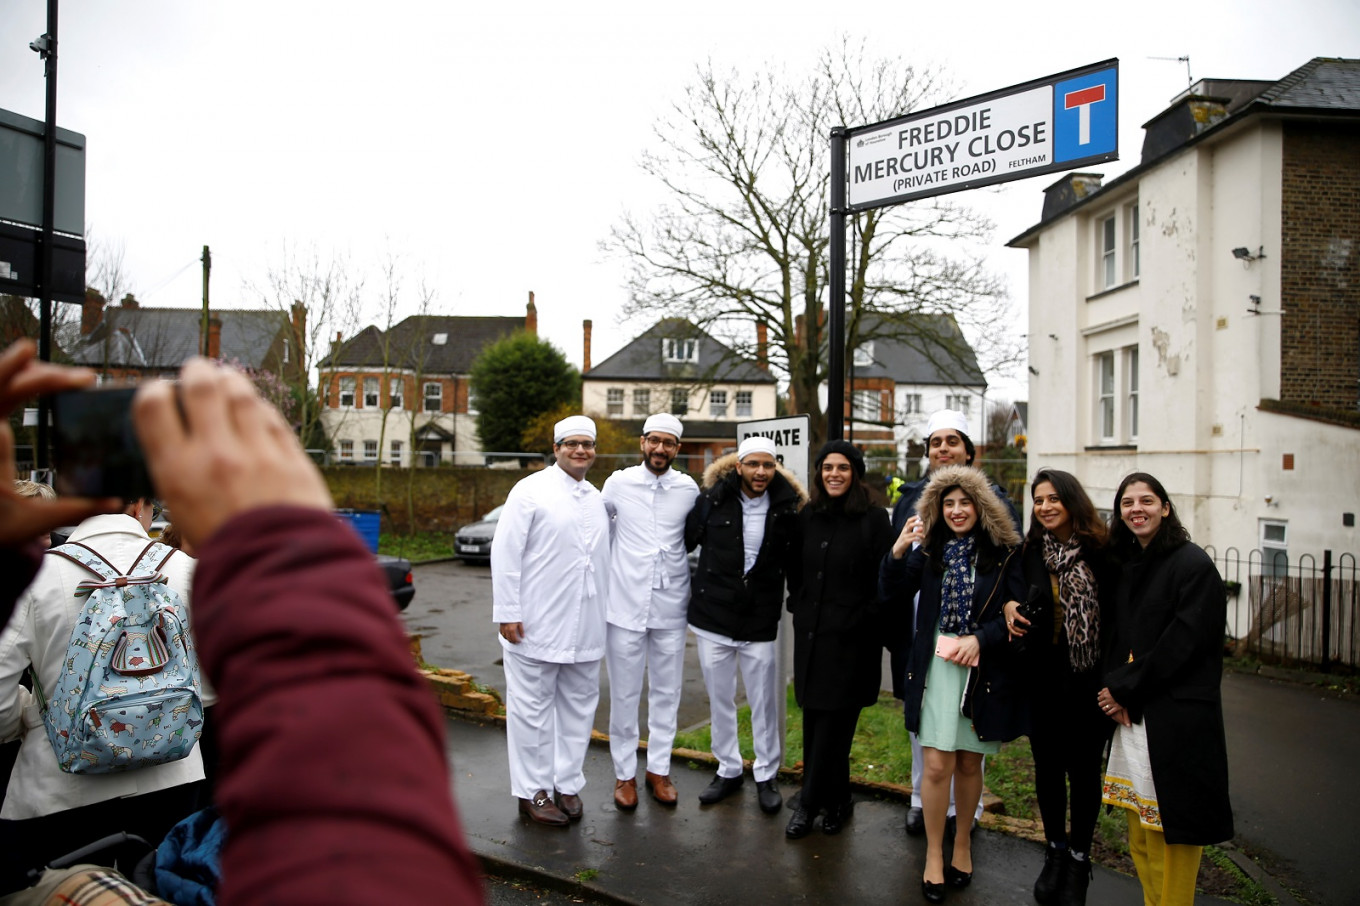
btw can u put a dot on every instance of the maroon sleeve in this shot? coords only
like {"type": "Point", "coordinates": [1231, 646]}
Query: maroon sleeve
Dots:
{"type": "Point", "coordinates": [334, 782]}
{"type": "Point", "coordinates": [18, 566]}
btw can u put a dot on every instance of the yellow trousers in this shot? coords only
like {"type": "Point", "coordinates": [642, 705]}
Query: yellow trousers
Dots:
{"type": "Point", "coordinates": [1166, 871]}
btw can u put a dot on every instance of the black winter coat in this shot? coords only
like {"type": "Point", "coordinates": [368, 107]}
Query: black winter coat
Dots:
{"type": "Point", "coordinates": [837, 611]}
{"type": "Point", "coordinates": [1165, 665]}
{"type": "Point", "coordinates": [724, 598]}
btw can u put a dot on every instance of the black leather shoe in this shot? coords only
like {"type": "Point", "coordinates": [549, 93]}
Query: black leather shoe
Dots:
{"type": "Point", "coordinates": [721, 788]}
{"type": "Point", "coordinates": [1051, 877]}
{"type": "Point", "coordinates": [956, 878]}
{"type": "Point", "coordinates": [799, 826]}
{"type": "Point", "coordinates": [834, 821]}
{"type": "Point", "coordinates": [771, 801]}
{"type": "Point", "coordinates": [934, 893]}
{"type": "Point", "coordinates": [916, 821]}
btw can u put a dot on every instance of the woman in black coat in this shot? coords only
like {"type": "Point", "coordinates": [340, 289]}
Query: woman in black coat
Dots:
{"type": "Point", "coordinates": [1169, 759]}
{"type": "Point", "coordinates": [1063, 563]}
{"type": "Point", "coordinates": [837, 640]}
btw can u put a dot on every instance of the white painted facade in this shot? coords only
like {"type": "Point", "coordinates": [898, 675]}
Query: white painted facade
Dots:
{"type": "Point", "coordinates": [716, 402]}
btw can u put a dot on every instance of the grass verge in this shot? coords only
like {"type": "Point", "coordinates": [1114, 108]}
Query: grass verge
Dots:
{"type": "Point", "coordinates": [417, 546]}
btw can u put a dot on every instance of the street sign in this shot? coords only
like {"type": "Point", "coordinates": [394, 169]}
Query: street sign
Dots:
{"type": "Point", "coordinates": [21, 160]}
{"type": "Point", "coordinates": [791, 438]}
{"type": "Point", "coordinates": [1061, 122]}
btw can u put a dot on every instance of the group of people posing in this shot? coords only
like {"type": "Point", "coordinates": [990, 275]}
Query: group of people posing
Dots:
{"type": "Point", "coordinates": [1079, 635]}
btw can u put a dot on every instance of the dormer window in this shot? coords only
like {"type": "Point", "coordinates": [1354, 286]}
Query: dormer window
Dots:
{"type": "Point", "coordinates": [864, 355]}
{"type": "Point", "coordinates": [441, 339]}
{"type": "Point", "coordinates": [680, 350]}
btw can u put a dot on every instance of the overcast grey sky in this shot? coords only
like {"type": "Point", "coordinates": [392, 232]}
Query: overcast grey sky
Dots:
{"type": "Point", "coordinates": [494, 149]}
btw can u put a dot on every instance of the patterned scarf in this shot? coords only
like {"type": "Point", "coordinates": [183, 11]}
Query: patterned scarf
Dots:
{"type": "Point", "coordinates": [1077, 594]}
{"type": "Point", "coordinates": [956, 594]}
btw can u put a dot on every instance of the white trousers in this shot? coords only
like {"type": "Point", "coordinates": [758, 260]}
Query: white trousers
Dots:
{"type": "Point", "coordinates": [660, 654]}
{"type": "Point", "coordinates": [760, 674]}
{"type": "Point", "coordinates": [549, 710]}
{"type": "Point", "coordinates": [918, 769]}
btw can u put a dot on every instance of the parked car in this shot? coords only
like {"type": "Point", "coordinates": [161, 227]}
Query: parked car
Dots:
{"type": "Point", "coordinates": [472, 543]}
{"type": "Point", "coordinates": [399, 579]}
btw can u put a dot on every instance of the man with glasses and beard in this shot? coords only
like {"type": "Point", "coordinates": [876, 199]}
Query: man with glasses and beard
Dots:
{"type": "Point", "coordinates": [649, 595]}
{"type": "Point", "coordinates": [550, 592]}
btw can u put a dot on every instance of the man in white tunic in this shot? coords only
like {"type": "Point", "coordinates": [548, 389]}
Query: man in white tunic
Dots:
{"type": "Point", "coordinates": [550, 590]}
{"type": "Point", "coordinates": [649, 595]}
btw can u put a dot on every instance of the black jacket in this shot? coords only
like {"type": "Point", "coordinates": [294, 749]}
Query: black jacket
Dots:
{"type": "Point", "coordinates": [837, 611]}
{"type": "Point", "coordinates": [724, 598]}
{"type": "Point", "coordinates": [1165, 665]}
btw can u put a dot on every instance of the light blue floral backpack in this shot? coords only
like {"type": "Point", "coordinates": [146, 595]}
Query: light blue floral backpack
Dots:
{"type": "Point", "coordinates": [128, 695]}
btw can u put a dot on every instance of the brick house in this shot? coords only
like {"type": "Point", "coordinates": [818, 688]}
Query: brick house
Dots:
{"type": "Point", "coordinates": [677, 367]}
{"type": "Point", "coordinates": [1199, 316]}
{"type": "Point", "coordinates": [416, 373]}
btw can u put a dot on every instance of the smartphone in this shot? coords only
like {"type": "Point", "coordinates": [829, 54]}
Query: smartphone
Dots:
{"type": "Point", "coordinates": [95, 452]}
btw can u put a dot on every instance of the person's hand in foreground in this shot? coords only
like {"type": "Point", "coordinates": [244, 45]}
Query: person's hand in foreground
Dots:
{"type": "Point", "coordinates": [22, 377]}
{"type": "Point", "coordinates": [220, 449]}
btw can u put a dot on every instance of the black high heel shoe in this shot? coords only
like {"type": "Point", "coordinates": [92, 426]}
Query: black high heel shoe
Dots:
{"type": "Point", "coordinates": [934, 893]}
{"type": "Point", "coordinates": [957, 879]}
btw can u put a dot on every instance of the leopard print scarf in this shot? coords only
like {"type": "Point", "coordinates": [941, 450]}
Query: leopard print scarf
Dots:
{"type": "Point", "coordinates": [1077, 593]}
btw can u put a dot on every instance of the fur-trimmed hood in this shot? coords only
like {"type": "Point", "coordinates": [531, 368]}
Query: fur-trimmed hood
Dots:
{"type": "Point", "coordinates": [725, 467]}
{"type": "Point", "coordinates": [993, 516]}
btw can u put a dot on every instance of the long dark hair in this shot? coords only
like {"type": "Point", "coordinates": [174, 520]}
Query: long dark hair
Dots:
{"type": "Point", "coordinates": [1170, 535]}
{"type": "Point", "coordinates": [854, 502]}
{"type": "Point", "coordinates": [1086, 524]}
{"type": "Point", "coordinates": [988, 554]}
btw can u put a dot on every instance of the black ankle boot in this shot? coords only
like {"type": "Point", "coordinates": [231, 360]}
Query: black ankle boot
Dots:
{"type": "Point", "coordinates": [1076, 880]}
{"type": "Point", "coordinates": [1050, 882]}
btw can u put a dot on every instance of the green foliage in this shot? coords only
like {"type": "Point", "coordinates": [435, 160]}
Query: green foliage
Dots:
{"type": "Point", "coordinates": [417, 546]}
{"type": "Point", "coordinates": [610, 439]}
{"type": "Point", "coordinates": [514, 380]}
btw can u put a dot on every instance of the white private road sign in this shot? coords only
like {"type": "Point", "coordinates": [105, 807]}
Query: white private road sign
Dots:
{"type": "Point", "coordinates": [1060, 122]}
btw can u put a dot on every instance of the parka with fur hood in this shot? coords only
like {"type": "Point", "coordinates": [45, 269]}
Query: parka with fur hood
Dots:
{"type": "Point", "coordinates": [995, 698]}
{"type": "Point", "coordinates": [725, 599]}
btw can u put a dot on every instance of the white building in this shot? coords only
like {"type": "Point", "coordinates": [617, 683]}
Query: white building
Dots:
{"type": "Point", "coordinates": [1198, 317]}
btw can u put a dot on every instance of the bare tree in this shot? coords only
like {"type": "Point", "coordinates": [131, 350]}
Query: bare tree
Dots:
{"type": "Point", "coordinates": [744, 238]}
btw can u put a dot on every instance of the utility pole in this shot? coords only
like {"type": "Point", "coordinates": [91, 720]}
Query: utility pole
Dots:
{"type": "Point", "coordinates": [207, 268]}
{"type": "Point", "coordinates": [46, 46]}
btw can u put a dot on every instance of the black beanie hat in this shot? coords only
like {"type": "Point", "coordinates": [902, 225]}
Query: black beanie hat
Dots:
{"type": "Point", "coordinates": [846, 449]}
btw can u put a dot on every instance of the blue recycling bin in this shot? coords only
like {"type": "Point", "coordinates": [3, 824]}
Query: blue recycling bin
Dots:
{"type": "Point", "coordinates": [366, 523]}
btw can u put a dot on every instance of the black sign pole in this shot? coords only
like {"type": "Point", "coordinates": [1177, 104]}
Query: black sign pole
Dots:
{"type": "Point", "coordinates": [835, 393]}
{"type": "Point", "coordinates": [45, 274]}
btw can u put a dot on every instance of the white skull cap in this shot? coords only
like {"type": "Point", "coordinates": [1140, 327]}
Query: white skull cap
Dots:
{"type": "Point", "coordinates": [756, 445]}
{"type": "Point", "coordinates": [571, 425]}
{"type": "Point", "coordinates": [665, 423]}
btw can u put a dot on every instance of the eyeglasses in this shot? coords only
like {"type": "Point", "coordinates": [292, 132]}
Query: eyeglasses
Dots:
{"type": "Point", "coordinates": [574, 444]}
{"type": "Point", "coordinates": [661, 442]}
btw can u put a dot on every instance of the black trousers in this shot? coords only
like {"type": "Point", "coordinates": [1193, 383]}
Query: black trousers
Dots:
{"type": "Point", "coordinates": [827, 737]}
{"type": "Point", "coordinates": [1068, 738]}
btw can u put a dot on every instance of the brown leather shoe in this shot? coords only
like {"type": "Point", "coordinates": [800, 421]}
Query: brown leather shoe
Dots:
{"type": "Point", "coordinates": [663, 790]}
{"type": "Point", "coordinates": [570, 804]}
{"type": "Point", "coordinates": [542, 810]}
{"type": "Point", "coordinates": [625, 794]}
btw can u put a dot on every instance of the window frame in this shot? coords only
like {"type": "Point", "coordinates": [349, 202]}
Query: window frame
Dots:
{"type": "Point", "coordinates": [642, 401]}
{"type": "Point", "coordinates": [371, 396]}
{"type": "Point", "coordinates": [1135, 263]}
{"type": "Point", "coordinates": [744, 403]}
{"type": "Point", "coordinates": [717, 404]}
{"type": "Point", "coordinates": [866, 405]}
{"type": "Point", "coordinates": [1105, 396]}
{"type": "Point", "coordinates": [437, 398]}
{"type": "Point", "coordinates": [680, 349]}
{"type": "Point", "coordinates": [1131, 357]}
{"type": "Point", "coordinates": [370, 451]}
{"type": "Point", "coordinates": [346, 450]}
{"type": "Point", "coordinates": [679, 401]}
{"type": "Point", "coordinates": [613, 402]}
{"type": "Point", "coordinates": [396, 393]}
{"type": "Point", "coordinates": [394, 453]}
{"type": "Point", "coordinates": [1108, 238]}
{"type": "Point", "coordinates": [348, 388]}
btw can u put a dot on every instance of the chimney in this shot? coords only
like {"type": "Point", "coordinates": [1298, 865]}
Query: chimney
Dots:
{"type": "Point", "coordinates": [585, 356]}
{"type": "Point", "coordinates": [91, 311]}
{"type": "Point", "coordinates": [299, 324]}
{"type": "Point", "coordinates": [1069, 190]}
{"type": "Point", "coordinates": [762, 346]}
{"type": "Point", "coordinates": [531, 316]}
{"type": "Point", "coordinates": [214, 338]}
{"type": "Point", "coordinates": [130, 301]}
{"type": "Point", "coordinates": [339, 338]}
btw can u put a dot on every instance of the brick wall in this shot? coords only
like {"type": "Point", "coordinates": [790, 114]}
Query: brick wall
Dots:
{"type": "Point", "coordinates": [1320, 267]}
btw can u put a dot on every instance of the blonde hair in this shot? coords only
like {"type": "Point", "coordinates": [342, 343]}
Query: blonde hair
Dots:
{"type": "Point", "coordinates": [25, 488]}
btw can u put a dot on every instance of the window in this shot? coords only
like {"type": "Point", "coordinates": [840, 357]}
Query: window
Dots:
{"type": "Point", "coordinates": [370, 451]}
{"type": "Point", "coordinates": [864, 405]}
{"type": "Point", "coordinates": [347, 393]}
{"type": "Point", "coordinates": [642, 401]}
{"type": "Point", "coordinates": [1274, 547]}
{"type": "Point", "coordinates": [347, 451]}
{"type": "Point", "coordinates": [957, 401]}
{"type": "Point", "coordinates": [395, 388]}
{"type": "Point", "coordinates": [1107, 252]}
{"type": "Point", "coordinates": [680, 350]}
{"type": "Point", "coordinates": [285, 350]}
{"type": "Point", "coordinates": [325, 390]}
{"type": "Point", "coordinates": [717, 404]}
{"type": "Point", "coordinates": [429, 459]}
{"type": "Point", "coordinates": [370, 393]}
{"type": "Point", "coordinates": [679, 401]}
{"type": "Point", "coordinates": [864, 355]}
{"type": "Point", "coordinates": [743, 404]}
{"type": "Point", "coordinates": [1105, 384]}
{"type": "Point", "coordinates": [911, 404]}
{"type": "Point", "coordinates": [1131, 362]}
{"type": "Point", "coordinates": [434, 397]}
{"type": "Point", "coordinates": [395, 457]}
{"type": "Point", "coordinates": [1134, 264]}
{"type": "Point", "coordinates": [614, 402]}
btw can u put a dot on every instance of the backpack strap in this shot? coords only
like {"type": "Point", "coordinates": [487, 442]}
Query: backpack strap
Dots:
{"type": "Point", "coordinates": [147, 559]}
{"type": "Point", "coordinates": [110, 577]}
{"type": "Point", "coordinates": [85, 556]}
